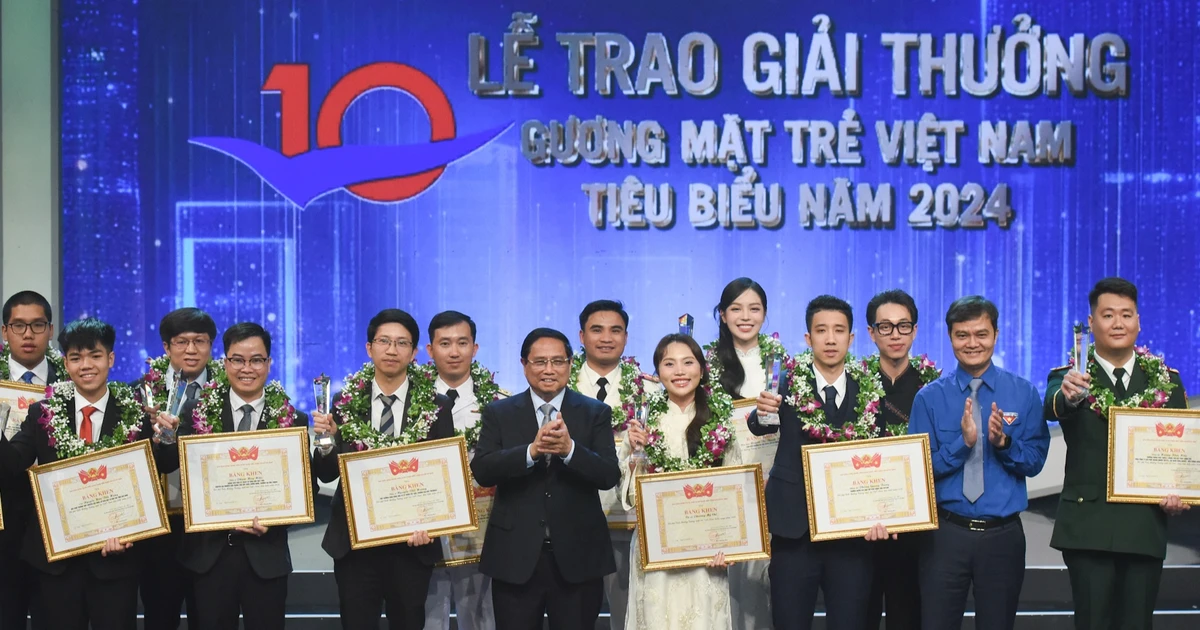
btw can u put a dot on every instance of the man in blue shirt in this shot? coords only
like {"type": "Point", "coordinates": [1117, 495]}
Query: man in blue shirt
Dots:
{"type": "Point", "coordinates": [986, 435]}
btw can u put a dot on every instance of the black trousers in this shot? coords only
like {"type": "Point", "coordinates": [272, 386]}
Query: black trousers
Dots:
{"type": "Point", "coordinates": [231, 586]}
{"type": "Point", "coordinates": [955, 560]}
{"type": "Point", "coordinates": [841, 569]}
{"type": "Point", "coordinates": [389, 578]}
{"type": "Point", "coordinates": [165, 584]}
{"type": "Point", "coordinates": [895, 582]}
{"type": "Point", "coordinates": [75, 599]}
{"type": "Point", "coordinates": [18, 594]}
{"type": "Point", "coordinates": [1113, 590]}
{"type": "Point", "coordinates": [569, 606]}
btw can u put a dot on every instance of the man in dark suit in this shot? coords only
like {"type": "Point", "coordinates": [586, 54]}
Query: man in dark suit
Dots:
{"type": "Point", "coordinates": [548, 451]}
{"type": "Point", "coordinates": [99, 588]}
{"type": "Point", "coordinates": [393, 575]}
{"type": "Point", "coordinates": [28, 327]}
{"type": "Point", "coordinates": [244, 570]}
{"type": "Point", "coordinates": [799, 567]}
{"type": "Point", "coordinates": [1114, 551]}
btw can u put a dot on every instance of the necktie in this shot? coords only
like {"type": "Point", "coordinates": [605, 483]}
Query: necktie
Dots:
{"type": "Point", "coordinates": [85, 427]}
{"type": "Point", "coordinates": [1119, 383]}
{"type": "Point", "coordinates": [547, 415]}
{"type": "Point", "coordinates": [452, 394]}
{"type": "Point", "coordinates": [180, 391]}
{"type": "Point", "coordinates": [602, 393]}
{"type": "Point", "coordinates": [973, 469]}
{"type": "Point", "coordinates": [27, 377]}
{"type": "Point", "coordinates": [830, 400]}
{"type": "Point", "coordinates": [247, 416]}
{"type": "Point", "coordinates": [387, 418]}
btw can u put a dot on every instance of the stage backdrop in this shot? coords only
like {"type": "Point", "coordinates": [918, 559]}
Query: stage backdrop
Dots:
{"type": "Point", "coordinates": [642, 151]}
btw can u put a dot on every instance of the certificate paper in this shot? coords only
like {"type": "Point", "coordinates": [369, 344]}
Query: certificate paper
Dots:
{"type": "Point", "coordinates": [466, 548]}
{"type": "Point", "coordinates": [15, 399]}
{"type": "Point", "coordinates": [392, 492]}
{"type": "Point", "coordinates": [1153, 453]}
{"type": "Point", "coordinates": [83, 501]}
{"type": "Point", "coordinates": [231, 478]}
{"type": "Point", "coordinates": [685, 518]}
{"type": "Point", "coordinates": [754, 449]}
{"type": "Point", "coordinates": [853, 485]}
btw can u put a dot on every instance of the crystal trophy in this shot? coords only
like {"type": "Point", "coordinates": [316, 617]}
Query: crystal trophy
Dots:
{"type": "Point", "coordinates": [772, 419]}
{"type": "Point", "coordinates": [686, 323]}
{"type": "Point", "coordinates": [638, 457]}
{"type": "Point", "coordinates": [166, 435]}
{"type": "Point", "coordinates": [322, 394]}
{"type": "Point", "coordinates": [1080, 347]}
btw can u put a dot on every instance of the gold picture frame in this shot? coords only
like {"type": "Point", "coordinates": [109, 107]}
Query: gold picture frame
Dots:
{"type": "Point", "coordinates": [909, 506]}
{"type": "Point", "coordinates": [721, 488]}
{"type": "Point", "coordinates": [288, 447]}
{"type": "Point", "coordinates": [130, 462]}
{"type": "Point", "coordinates": [364, 473]}
{"type": "Point", "coordinates": [18, 396]}
{"type": "Point", "coordinates": [1169, 435]}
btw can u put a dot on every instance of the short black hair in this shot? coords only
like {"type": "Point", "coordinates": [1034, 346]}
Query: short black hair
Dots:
{"type": "Point", "coordinates": [446, 319]}
{"type": "Point", "coordinates": [394, 316]}
{"type": "Point", "coordinates": [84, 334]}
{"type": "Point", "coordinates": [27, 298]}
{"type": "Point", "coordinates": [244, 331]}
{"type": "Point", "coordinates": [543, 333]}
{"type": "Point", "coordinates": [186, 320]}
{"type": "Point", "coordinates": [965, 309]}
{"type": "Point", "coordinates": [891, 296]}
{"type": "Point", "coordinates": [1114, 285]}
{"type": "Point", "coordinates": [602, 306]}
{"type": "Point", "coordinates": [828, 303]}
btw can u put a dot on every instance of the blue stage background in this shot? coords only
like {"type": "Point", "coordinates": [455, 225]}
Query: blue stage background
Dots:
{"type": "Point", "coordinates": [151, 223]}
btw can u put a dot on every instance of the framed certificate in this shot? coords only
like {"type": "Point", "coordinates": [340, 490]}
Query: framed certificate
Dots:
{"type": "Point", "coordinates": [754, 449]}
{"type": "Point", "coordinates": [853, 485]}
{"type": "Point", "coordinates": [228, 479]}
{"type": "Point", "coordinates": [467, 547]}
{"type": "Point", "coordinates": [392, 492]}
{"type": "Point", "coordinates": [1153, 453]}
{"type": "Point", "coordinates": [83, 501]}
{"type": "Point", "coordinates": [15, 399]}
{"type": "Point", "coordinates": [686, 517]}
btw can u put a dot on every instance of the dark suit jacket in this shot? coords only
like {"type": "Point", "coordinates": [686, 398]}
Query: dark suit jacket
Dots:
{"type": "Point", "coordinates": [16, 499]}
{"type": "Point", "coordinates": [1085, 519]}
{"type": "Point", "coordinates": [787, 501]}
{"type": "Point", "coordinates": [31, 444]}
{"type": "Point", "coordinates": [268, 554]}
{"type": "Point", "coordinates": [561, 496]}
{"type": "Point", "coordinates": [337, 535]}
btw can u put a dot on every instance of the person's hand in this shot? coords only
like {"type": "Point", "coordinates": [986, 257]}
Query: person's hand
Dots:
{"type": "Point", "coordinates": [323, 423]}
{"type": "Point", "coordinates": [1075, 386]}
{"type": "Point", "coordinates": [255, 529]}
{"type": "Point", "coordinates": [536, 447]}
{"type": "Point", "coordinates": [970, 432]}
{"type": "Point", "coordinates": [768, 402]}
{"type": "Point", "coordinates": [418, 538]}
{"type": "Point", "coordinates": [164, 421]}
{"type": "Point", "coordinates": [878, 532]}
{"type": "Point", "coordinates": [114, 546]}
{"type": "Point", "coordinates": [996, 428]}
{"type": "Point", "coordinates": [636, 435]}
{"type": "Point", "coordinates": [1173, 505]}
{"type": "Point", "coordinates": [718, 561]}
{"type": "Point", "coordinates": [556, 440]}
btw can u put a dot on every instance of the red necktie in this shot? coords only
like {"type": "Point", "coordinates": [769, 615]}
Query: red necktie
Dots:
{"type": "Point", "coordinates": [85, 427]}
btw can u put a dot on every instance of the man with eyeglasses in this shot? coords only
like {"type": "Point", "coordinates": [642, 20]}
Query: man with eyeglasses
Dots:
{"type": "Point", "coordinates": [389, 578]}
{"type": "Point", "coordinates": [26, 358]}
{"type": "Point", "coordinates": [548, 451]}
{"type": "Point", "coordinates": [175, 379]}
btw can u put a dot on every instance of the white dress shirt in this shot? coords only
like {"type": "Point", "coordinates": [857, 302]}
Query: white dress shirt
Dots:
{"type": "Point", "coordinates": [397, 408]}
{"type": "Point", "coordinates": [588, 387]}
{"type": "Point", "coordinates": [466, 408]}
{"type": "Point", "coordinates": [839, 384]}
{"type": "Point", "coordinates": [41, 371]}
{"type": "Point", "coordinates": [1109, 368]}
{"type": "Point", "coordinates": [97, 415]}
{"type": "Point", "coordinates": [236, 403]}
{"type": "Point", "coordinates": [756, 377]}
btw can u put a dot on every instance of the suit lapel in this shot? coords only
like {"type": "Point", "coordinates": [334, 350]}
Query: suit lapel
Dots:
{"type": "Point", "coordinates": [528, 424]}
{"type": "Point", "coordinates": [112, 415]}
{"type": "Point", "coordinates": [1137, 381]}
{"type": "Point", "coordinates": [227, 424]}
{"type": "Point", "coordinates": [850, 400]}
{"type": "Point", "coordinates": [402, 421]}
{"type": "Point", "coordinates": [1106, 382]}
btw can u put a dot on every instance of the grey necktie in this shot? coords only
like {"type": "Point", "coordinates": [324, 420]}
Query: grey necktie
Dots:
{"type": "Point", "coordinates": [247, 417]}
{"type": "Point", "coordinates": [547, 413]}
{"type": "Point", "coordinates": [387, 418]}
{"type": "Point", "coordinates": [973, 469]}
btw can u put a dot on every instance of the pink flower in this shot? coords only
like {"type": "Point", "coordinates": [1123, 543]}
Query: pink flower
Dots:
{"type": "Point", "coordinates": [775, 336]}
{"type": "Point", "coordinates": [360, 385]}
{"type": "Point", "coordinates": [1144, 403]}
{"type": "Point", "coordinates": [360, 446]}
{"type": "Point", "coordinates": [872, 407]}
{"type": "Point", "coordinates": [51, 442]}
{"type": "Point", "coordinates": [1160, 397]}
{"type": "Point", "coordinates": [153, 376]}
{"type": "Point", "coordinates": [49, 391]}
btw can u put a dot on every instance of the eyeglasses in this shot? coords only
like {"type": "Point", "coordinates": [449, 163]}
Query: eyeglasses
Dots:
{"type": "Point", "coordinates": [541, 364]}
{"type": "Point", "coordinates": [181, 343]}
{"type": "Point", "coordinates": [240, 362]}
{"type": "Point", "coordinates": [384, 343]}
{"type": "Point", "coordinates": [886, 328]}
{"type": "Point", "coordinates": [37, 327]}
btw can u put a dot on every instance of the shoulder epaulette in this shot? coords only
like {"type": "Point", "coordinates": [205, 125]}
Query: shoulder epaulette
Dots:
{"type": "Point", "coordinates": [1171, 369]}
{"type": "Point", "coordinates": [504, 393]}
{"type": "Point", "coordinates": [1061, 367]}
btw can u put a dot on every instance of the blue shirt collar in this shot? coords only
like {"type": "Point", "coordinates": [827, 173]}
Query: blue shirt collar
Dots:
{"type": "Point", "coordinates": [963, 378]}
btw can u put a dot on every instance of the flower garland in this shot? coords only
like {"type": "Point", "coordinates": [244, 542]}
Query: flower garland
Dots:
{"type": "Point", "coordinates": [354, 408]}
{"type": "Point", "coordinates": [804, 400]}
{"type": "Point", "coordinates": [52, 357]}
{"type": "Point", "coordinates": [715, 434]}
{"type": "Point", "coordinates": [1158, 389]}
{"type": "Point", "coordinates": [156, 376]}
{"type": "Point", "coordinates": [60, 425]}
{"type": "Point", "coordinates": [486, 393]}
{"type": "Point", "coordinates": [630, 389]}
{"type": "Point", "coordinates": [769, 348]}
{"type": "Point", "coordinates": [206, 418]}
{"type": "Point", "coordinates": [926, 369]}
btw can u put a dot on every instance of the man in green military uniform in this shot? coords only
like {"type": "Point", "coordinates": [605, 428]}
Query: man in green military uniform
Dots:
{"type": "Point", "coordinates": [1114, 551]}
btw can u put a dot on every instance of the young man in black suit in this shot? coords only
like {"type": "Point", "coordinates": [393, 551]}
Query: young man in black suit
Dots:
{"type": "Point", "coordinates": [396, 575]}
{"type": "Point", "coordinates": [548, 451]}
{"type": "Point", "coordinates": [99, 588]}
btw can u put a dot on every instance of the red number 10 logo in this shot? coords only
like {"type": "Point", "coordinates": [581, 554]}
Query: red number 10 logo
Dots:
{"type": "Point", "coordinates": [290, 81]}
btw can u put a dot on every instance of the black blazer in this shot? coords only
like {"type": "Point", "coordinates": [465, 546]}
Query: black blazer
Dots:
{"type": "Point", "coordinates": [787, 502]}
{"type": "Point", "coordinates": [563, 497]}
{"type": "Point", "coordinates": [337, 536]}
{"type": "Point", "coordinates": [269, 555]}
{"type": "Point", "coordinates": [16, 499]}
{"type": "Point", "coordinates": [30, 445]}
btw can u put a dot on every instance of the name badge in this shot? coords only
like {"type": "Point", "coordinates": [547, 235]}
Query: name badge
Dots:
{"type": "Point", "coordinates": [1010, 417]}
